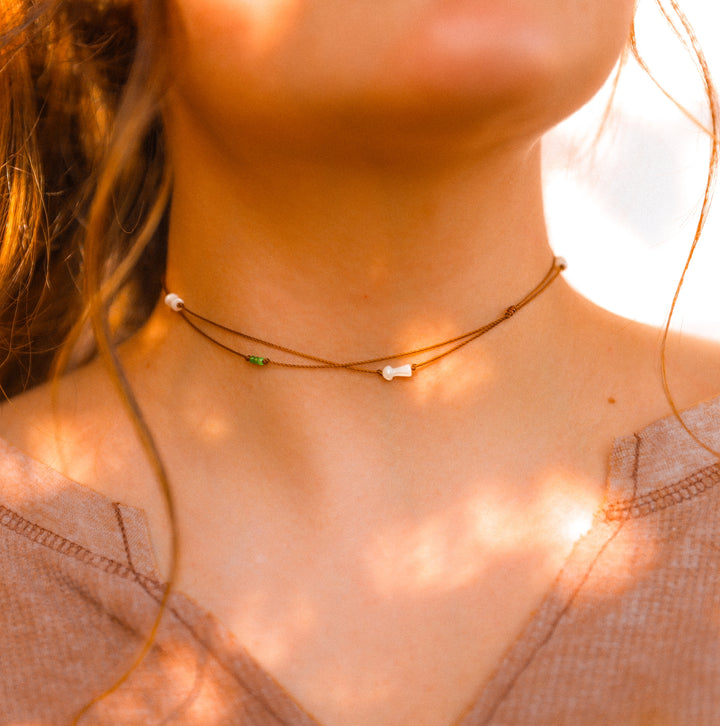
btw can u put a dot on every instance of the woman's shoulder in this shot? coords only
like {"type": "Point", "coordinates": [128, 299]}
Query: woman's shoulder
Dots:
{"type": "Point", "coordinates": [72, 432]}
{"type": "Point", "coordinates": [45, 421]}
{"type": "Point", "coordinates": [59, 497]}
{"type": "Point", "coordinates": [692, 387]}
{"type": "Point", "coordinates": [666, 421]}
{"type": "Point", "coordinates": [644, 373]}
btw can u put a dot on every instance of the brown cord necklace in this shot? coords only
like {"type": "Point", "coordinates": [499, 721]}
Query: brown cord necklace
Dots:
{"type": "Point", "coordinates": [388, 372]}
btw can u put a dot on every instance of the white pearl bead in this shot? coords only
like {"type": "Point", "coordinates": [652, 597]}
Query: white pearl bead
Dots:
{"type": "Point", "coordinates": [174, 302]}
{"type": "Point", "coordinates": [561, 263]}
{"type": "Point", "coordinates": [388, 373]}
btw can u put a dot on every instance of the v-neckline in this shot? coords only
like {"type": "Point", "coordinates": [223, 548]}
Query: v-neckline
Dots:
{"type": "Point", "coordinates": [537, 631]}
{"type": "Point", "coordinates": [260, 684]}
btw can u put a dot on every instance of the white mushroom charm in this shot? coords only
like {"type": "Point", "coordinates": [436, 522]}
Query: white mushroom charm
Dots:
{"type": "Point", "coordinates": [388, 373]}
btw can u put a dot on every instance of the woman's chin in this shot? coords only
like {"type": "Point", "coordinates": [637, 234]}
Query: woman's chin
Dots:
{"type": "Point", "coordinates": [472, 57]}
{"type": "Point", "coordinates": [463, 72]}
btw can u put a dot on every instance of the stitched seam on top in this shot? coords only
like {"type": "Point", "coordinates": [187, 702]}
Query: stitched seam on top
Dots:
{"type": "Point", "coordinates": [560, 615]}
{"type": "Point", "coordinates": [46, 538]}
{"type": "Point", "coordinates": [145, 583]}
{"type": "Point", "coordinates": [683, 490]}
{"type": "Point", "coordinates": [126, 543]}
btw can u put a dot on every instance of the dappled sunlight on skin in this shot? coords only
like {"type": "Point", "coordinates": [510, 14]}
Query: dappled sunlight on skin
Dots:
{"type": "Point", "coordinates": [283, 624]}
{"type": "Point", "coordinates": [453, 378]}
{"type": "Point", "coordinates": [268, 22]}
{"type": "Point", "coordinates": [579, 504]}
{"type": "Point", "coordinates": [212, 427]}
{"type": "Point", "coordinates": [56, 446]}
{"type": "Point", "coordinates": [439, 553]}
{"type": "Point", "coordinates": [427, 602]}
{"type": "Point", "coordinates": [454, 547]}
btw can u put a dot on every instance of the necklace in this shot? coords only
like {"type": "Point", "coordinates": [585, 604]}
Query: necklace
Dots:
{"type": "Point", "coordinates": [388, 372]}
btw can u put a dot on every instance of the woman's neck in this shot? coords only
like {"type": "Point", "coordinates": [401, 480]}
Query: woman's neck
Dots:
{"type": "Point", "coordinates": [354, 259]}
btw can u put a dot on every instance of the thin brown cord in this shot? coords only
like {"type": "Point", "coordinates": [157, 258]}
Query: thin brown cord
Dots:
{"type": "Point", "coordinates": [190, 316]}
{"type": "Point", "coordinates": [693, 48]}
{"type": "Point", "coordinates": [108, 353]}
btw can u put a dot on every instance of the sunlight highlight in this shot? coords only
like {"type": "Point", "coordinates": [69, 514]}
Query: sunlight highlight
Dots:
{"type": "Point", "coordinates": [499, 526]}
{"type": "Point", "coordinates": [577, 504]}
{"type": "Point", "coordinates": [268, 22]}
{"type": "Point", "coordinates": [212, 427]}
{"type": "Point", "coordinates": [577, 525]}
{"type": "Point", "coordinates": [454, 377]}
{"type": "Point", "coordinates": [272, 630]}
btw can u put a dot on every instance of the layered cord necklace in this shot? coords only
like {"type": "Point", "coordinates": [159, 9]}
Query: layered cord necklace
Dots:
{"type": "Point", "coordinates": [437, 351]}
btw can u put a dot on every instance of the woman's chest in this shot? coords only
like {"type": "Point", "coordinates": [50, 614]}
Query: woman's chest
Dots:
{"type": "Point", "coordinates": [400, 622]}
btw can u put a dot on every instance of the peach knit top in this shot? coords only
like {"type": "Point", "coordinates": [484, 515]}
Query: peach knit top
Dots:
{"type": "Point", "coordinates": [628, 634]}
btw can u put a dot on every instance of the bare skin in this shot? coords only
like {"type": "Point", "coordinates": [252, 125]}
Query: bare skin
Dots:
{"type": "Point", "coordinates": [377, 547]}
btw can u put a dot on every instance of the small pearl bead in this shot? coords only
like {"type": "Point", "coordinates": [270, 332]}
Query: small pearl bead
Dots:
{"type": "Point", "coordinates": [174, 302]}
{"type": "Point", "coordinates": [561, 263]}
{"type": "Point", "coordinates": [388, 373]}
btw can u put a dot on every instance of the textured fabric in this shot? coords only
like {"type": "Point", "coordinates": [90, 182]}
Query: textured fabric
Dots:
{"type": "Point", "coordinates": [628, 634]}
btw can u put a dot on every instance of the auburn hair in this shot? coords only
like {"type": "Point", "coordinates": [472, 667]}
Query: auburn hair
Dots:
{"type": "Point", "coordinates": [85, 182]}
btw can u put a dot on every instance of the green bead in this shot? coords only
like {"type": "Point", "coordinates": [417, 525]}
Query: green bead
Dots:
{"type": "Point", "coordinates": [257, 360]}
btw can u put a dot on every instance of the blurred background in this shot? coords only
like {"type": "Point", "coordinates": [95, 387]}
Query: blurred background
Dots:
{"type": "Point", "coordinates": [623, 208]}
